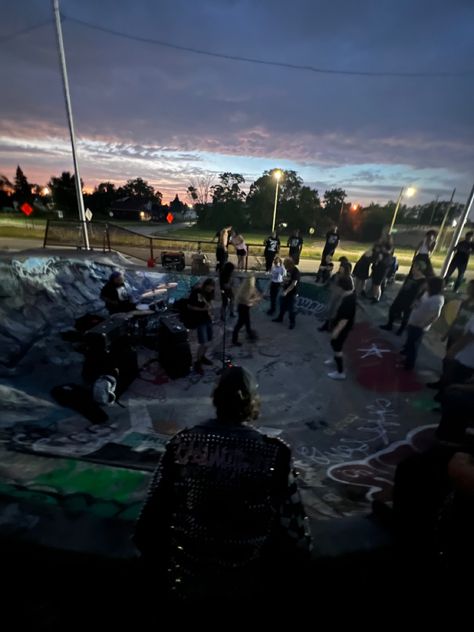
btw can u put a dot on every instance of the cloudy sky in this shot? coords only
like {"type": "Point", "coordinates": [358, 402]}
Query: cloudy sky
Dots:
{"type": "Point", "coordinates": [167, 115]}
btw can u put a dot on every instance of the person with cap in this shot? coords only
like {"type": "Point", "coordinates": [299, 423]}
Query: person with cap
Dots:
{"type": "Point", "coordinates": [115, 295]}
{"type": "Point", "coordinates": [223, 518]}
{"type": "Point", "coordinates": [412, 289]}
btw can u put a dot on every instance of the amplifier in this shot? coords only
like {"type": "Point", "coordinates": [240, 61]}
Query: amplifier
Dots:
{"type": "Point", "coordinates": [174, 350]}
{"type": "Point", "coordinates": [103, 335]}
{"type": "Point", "coordinates": [199, 265]}
{"type": "Point", "coordinates": [173, 260]}
{"type": "Point", "coordinates": [172, 331]}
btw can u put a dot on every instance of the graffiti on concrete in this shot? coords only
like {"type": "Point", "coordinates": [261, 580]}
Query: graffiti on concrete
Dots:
{"type": "Point", "coordinates": [375, 473]}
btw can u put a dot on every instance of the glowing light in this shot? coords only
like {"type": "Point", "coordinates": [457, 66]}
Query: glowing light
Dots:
{"type": "Point", "coordinates": [277, 174]}
{"type": "Point", "coordinates": [454, 223]}
{"type": "Point", "coordinates": [354, 207]}
{"type": "Point", "coordinates": [410, 192]}
{"type": "Point", "coordinates": [45, 191]}
{"type": "Point", "coordinates": [142, 214]}
{"type": "Point", "coordinates": [311, 231]}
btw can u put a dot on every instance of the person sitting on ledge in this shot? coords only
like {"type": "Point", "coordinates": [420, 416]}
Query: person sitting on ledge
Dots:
{"type": "Point", "coordinates": [223, 518]}
{"type": "Point", "coordinates": [115, 295]}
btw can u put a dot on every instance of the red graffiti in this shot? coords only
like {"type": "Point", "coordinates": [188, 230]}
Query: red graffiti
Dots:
{"type": "Point", "coordinates": [376, 362]}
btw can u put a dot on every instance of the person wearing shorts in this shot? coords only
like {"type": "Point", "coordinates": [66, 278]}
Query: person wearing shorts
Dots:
{"type": "Point", "coordinates": [199, 306]}
{"type": "Point", "coordinates": [343, 323]}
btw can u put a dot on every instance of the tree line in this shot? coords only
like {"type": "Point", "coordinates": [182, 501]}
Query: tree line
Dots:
{"type": "Point", "coordinates": [224, 201]}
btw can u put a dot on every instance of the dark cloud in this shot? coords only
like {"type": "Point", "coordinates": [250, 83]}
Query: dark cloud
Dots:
{"type": "Point", "coordinates": [140, 101]}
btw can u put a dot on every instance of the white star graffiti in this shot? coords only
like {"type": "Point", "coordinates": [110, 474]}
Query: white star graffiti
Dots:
{"type": "Point", "coordinates": [373, 350]}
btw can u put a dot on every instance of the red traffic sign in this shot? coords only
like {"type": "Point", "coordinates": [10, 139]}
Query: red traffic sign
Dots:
{"type": "Point", "coordinates": [26, 208]}
{"type": "Point", "coordinates": [170, 218]}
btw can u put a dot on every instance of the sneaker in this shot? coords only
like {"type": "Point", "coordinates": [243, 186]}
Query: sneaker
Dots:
{"type": "Point", "coordinates": [374, 301]}
{"type": "Point", "coordinates": [292, 326]}
{"type": "Point", "coordinates": [270, 312]}
{"type": "Point", "coordinates": [277, 320]}
{"type": "Point", "coordinates": [386, 327]}
{"type": "Point", "coordinates": [198, 368]}
{"type": "Point", "coordinates": [399, 332]}
{"type": "Point", "coordinates": [324, 327]}
{"type": "Point", "coordinates": [335, 375]}
{"type": "Point", "coordinates": [434, 385]}
{"type": "Point", "coordinates": [237, 343]}
{"type": "Point", "coordinates": [206, 361]}
{"type": "Point", "coordinates": [329, 362]}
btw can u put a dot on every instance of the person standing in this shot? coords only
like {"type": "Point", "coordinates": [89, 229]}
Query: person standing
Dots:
{"type": "Point", "coordinates": [460, 260]}
{"type": "Point", "coordinates": [423, 315]}
{"type": "Point", "coordinates": [222, 248]}
{"type": "Point", "coordinates": [227, 291]}
{"type": "Point", "coordinates": [362, 272]}
{"type": "Point", "coordinates": [289, 293]}
{"type": "Point", "coordinates": [383, 260]}
{"type": "Point", "coordinates": [277, 276]}
{"type": "Point", "coordinates": [199, 307]}
{"type": "Point", "coordinates": [343, 323]}
{"type": "Point", "coordinates": [335, 293]}
{"type": "Point", "coordinates": [332, 242]}
{"type": "Point", "coordinates": [412, 289]}
{"type": "Point", "coordinates": [272, 248]}
{"type": "Point", "coordinates": [295, 244]}
{"type": "Point", "coordinates": [424, 250]}
{"type": "Point", "coordinates": [246, 297]}
{"type": "Point", "coordinates": [241, 249]}
{"type": "Point", "coordinates": [223, 518]}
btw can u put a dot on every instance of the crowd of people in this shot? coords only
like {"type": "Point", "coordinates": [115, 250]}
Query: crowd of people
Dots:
{"type": "Point", "coordinates": [224, 517]}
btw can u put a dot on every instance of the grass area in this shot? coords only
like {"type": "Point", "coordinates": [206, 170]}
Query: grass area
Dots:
{"type": "Point", "coordinates": [312, 248]}
{"type": "Point", "coordinates": [18, 232]}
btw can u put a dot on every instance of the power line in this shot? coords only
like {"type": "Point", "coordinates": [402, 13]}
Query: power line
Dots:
{"type": "Point", "coordinates": [265, 62]}
{"type": "Point", "coordinates": [28, 29]}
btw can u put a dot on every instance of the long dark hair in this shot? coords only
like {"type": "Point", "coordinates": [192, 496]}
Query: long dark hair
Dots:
{"type": "Point", "coordinates": [226, 272]}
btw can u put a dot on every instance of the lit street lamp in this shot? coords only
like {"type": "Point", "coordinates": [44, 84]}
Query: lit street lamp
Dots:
{"type": "Point", "coordinates": [409, 192]}
{"type": "Point", "coordinates": [277, 175]}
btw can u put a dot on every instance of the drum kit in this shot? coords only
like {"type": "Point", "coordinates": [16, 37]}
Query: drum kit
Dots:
{"type": "Point", "coordinates": [145, 319]}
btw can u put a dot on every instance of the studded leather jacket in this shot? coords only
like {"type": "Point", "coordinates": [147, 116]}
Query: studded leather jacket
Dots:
{"type": "Point", "coordinates": [221, 504]}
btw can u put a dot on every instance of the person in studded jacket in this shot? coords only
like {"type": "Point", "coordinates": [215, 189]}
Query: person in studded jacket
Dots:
{"type": "Point", "coordinates": [223, 517]}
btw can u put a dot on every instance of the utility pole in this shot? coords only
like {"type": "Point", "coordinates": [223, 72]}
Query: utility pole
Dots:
{"type": "Point", "coordinates": [458, 232]}
{"type": "Point", "coordinates": [446, 215]}
{"type": "Point", "coordinates": [434, 210]}
{"type": "Point", "coordinates": [67, 98]}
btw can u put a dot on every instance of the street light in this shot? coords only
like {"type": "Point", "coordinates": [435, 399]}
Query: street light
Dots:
{"type": "Point", "coordinates": [277, 174]}
{"type": "Point", "coordinates": [409, 192]}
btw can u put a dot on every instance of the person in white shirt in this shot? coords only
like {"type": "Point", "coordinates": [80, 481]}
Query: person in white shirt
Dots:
{"type": "Point", "coordinates": [423, 315]}
{"type": "Point", "coordinates": [277, 274]}
{"type": "Point", "coordinates": [424, 250]}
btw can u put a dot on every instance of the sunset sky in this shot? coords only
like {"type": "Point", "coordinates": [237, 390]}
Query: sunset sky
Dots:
{"type": "Point", "coordinates": [168, 115]}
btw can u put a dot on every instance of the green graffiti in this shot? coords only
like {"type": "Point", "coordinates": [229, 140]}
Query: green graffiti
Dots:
{"type": "Point", "coordinates": [423, 403]}
{"type": "Point", "coordinates": [102, 482]}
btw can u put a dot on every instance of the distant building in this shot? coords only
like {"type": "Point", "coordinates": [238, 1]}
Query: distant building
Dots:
{"type": "Point", "coordinates": [138, 209]}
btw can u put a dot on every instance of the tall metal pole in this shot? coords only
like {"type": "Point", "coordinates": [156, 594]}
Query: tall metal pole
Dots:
{"type": "Point", "coordinates": [395, 212]}
{"type": "Point", "coordinates": [67, 98]}
{"type": "Point", "coordinates": [458, 233]}
{"type": "Point", "coordinates": [275, 205]}
{"type": "Point", "coordinates": [441, 228]}
{"type": "Point", "coordinates": [434, 210]}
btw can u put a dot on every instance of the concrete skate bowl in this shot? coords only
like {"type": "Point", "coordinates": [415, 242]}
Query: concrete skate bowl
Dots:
{"type": "Point", "coordinates": [41, 296]}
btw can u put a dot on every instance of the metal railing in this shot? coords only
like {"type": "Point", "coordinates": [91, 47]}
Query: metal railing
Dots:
{"type": "Point", "coordinates": [107, 236]}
